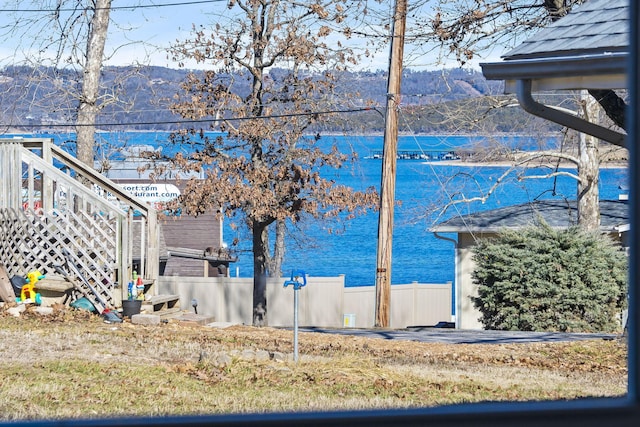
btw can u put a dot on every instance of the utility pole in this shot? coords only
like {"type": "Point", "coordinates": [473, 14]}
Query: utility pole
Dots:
{"type": "Point", "coordinates": [389, 158]}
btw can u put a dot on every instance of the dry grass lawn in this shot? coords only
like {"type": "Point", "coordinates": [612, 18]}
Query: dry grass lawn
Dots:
{"type": "Point", "coordinates": [72, 365]}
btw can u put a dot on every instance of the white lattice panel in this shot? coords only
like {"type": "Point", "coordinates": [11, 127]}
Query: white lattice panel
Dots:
{"type": "Point", "coordinates": [47, 242]}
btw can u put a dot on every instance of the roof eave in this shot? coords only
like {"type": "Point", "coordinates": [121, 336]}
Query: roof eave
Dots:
{"type": "Point", "coordinates": [595, 71]}
{"type": "Point", "coordinates": [620, 228]}
{"type": "Point", "coordinates": [454, 229]}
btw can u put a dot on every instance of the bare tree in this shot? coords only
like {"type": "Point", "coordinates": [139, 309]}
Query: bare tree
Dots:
{"type": "Point", "coordinates": [62, 44]}
{"type": "Point", "coordinates": [467, 29]}
{"type": "Point", "coordinates": [570, 149]}
{"type": "Point", "coordinates": [55, 36]}
{"type": "Point", "coordinates": [266, 165]}
{"type": "Point", "coordinates": [88, 106]}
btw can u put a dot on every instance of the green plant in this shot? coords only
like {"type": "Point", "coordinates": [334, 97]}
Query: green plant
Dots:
{"type": "Point", "coordinates": [543, 279]}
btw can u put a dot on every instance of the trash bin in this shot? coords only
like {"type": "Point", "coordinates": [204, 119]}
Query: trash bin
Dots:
{"type": "Point", "coordinates": [131, 307]}
{"type": "Point", "coordinates": [349, 321]}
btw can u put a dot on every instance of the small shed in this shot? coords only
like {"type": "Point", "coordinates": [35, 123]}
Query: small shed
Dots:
{"type": "Point", "coordinates": [189, 246]}
{"type": "Point", "coordinates": [614, 215]}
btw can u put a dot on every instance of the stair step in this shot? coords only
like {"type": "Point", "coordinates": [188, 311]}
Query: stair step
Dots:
{"type": "Point", "coordinates": [162, 303]}
{"type": "Point", "coordinates": [160, 299]}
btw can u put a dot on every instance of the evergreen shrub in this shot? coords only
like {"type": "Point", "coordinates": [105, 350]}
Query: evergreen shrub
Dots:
{"type": "Point", "coordinates": [542, 279]}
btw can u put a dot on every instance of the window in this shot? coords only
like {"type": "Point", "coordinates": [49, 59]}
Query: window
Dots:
{"type": "Point", "coordinates": [584, 413]}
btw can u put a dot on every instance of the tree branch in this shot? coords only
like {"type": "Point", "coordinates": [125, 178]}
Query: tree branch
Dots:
{"type": "Point", "coordinates": [529, 158]}
{"type": "Point", "coordinates": [612, 104]}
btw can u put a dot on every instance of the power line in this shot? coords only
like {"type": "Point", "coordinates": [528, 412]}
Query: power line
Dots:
{"type": "Point", "coordinates": [165, 122]}
{"type": "Point", "coordinates": [142, 6]}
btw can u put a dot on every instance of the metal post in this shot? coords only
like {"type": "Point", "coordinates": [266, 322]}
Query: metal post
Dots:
{"type": "Point", "coordinates": [296, 289]}
{"type": "Point", "coordinates": [297, 284]}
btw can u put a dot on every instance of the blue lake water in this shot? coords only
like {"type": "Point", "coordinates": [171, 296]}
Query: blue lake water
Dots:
{"type": "Point", "coordinates": [319, 250]}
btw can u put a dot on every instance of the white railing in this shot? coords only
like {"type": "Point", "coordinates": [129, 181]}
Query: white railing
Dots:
{"type": "Point", "coordinates": [74, 214]}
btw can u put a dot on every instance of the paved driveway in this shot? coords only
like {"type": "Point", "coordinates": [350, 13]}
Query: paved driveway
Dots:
{"type": "Point", "coordinates": [458, 336]}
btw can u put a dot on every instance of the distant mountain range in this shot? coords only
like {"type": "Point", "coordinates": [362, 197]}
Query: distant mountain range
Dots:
{"type": "Point", "coordinates": [138, 98]}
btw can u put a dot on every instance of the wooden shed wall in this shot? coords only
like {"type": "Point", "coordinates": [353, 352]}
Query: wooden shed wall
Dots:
{"type": "Point", "coordinates": [185, 231]}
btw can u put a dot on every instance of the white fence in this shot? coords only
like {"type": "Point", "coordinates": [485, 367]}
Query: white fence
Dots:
{"type": "Point", "coordinates": [324, 302]}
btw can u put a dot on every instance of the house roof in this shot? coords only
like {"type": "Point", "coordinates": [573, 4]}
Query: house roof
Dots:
{"type": "Point", "coordinates": [595, 27]}
{"type": "Point", "coordinates": [587, 49]}
{"type": "Point", "coordinates": [614, 215]}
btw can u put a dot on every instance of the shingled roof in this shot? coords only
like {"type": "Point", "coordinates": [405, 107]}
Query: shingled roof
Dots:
{"type": "Point", "coordinates": [595, 27]}
{"type": "Point", "coordinates": [614, 214]}
{"type": "Point", "coordinates": [587, 49]}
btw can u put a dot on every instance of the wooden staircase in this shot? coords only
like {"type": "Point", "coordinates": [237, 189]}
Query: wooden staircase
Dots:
{"type": "Point", "coordinates": [64, 219]}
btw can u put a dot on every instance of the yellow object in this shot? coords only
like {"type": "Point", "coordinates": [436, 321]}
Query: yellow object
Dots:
{"type": "Point", "coordinates": [349, 320]}
{"type": "Point", "coordinates": [33, 277]}
{"type": "Point", "coordinates": [28, 291]}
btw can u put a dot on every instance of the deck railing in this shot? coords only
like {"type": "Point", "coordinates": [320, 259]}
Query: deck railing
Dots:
{"type": "Point", "coordinates": [56, 210]}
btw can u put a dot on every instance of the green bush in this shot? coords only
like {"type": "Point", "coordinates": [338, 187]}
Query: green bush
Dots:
{"type": "Point", "coordinates": [541, 279]}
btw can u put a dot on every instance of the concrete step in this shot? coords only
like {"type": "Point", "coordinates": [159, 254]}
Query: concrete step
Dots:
{"type": "Point", "coordinates": [169, 313]}
{"type": "Point", "coordinates": [196, 319]}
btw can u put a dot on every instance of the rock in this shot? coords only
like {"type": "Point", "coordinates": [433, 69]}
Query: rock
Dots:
{"type": "Point", "coordinates": [279, 357]}
{"type": "Point", "coordinates": [248, 354]}
{"type": "Point", "coordinates": [145, 319]}
{"type": "Point", "coordinates": [15, 311]}
{"type": "Point", "coordinates": [44, 311]}
{"type": "Point", "coordinates": [223, 359]}
{"type": "Point", "coordinates": [262, 355]}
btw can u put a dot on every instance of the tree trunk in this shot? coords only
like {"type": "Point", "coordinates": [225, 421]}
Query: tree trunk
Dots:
{"type": "Point", "coordinates": [589, 172]}
{"type": "Point", "coordinates": [88, 106]}
{"type": "Point", "coordinates": [275, 261]}
{"type": "Point", "coordinates": [260, 256]}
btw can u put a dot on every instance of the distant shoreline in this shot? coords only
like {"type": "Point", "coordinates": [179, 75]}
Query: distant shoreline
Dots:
{"type": "Point", "coordinates": [507, 163]}
{"type": "Point", "coordinates": [612, 164]}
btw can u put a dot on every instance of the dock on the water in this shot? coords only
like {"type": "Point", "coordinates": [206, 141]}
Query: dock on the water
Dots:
{"type": "Point", "coordinates": [418, 155]}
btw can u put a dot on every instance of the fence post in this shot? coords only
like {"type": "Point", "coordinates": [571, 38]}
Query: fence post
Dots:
{"type": "Point", "coordinates": [153, 250]}
{"type": "Point", "coordinates": [46, 192]}
{"type": "Point", "coordinates": [10, 173]}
